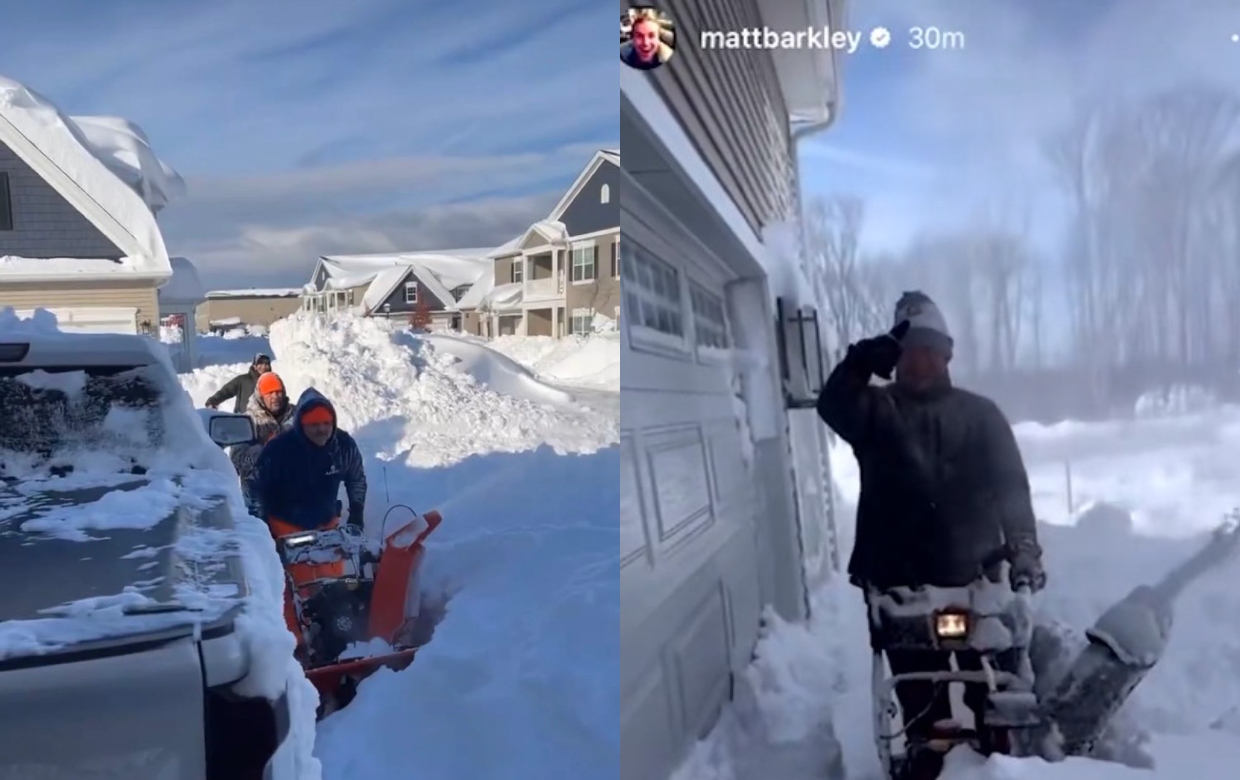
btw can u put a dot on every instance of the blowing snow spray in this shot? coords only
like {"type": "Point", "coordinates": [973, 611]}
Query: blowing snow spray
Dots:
{"type": "Point", "coordinates": [1124, 643]}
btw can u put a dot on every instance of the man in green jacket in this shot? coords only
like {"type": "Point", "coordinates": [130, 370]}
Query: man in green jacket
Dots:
{"type": "Point", "coordinates": [241, 387]}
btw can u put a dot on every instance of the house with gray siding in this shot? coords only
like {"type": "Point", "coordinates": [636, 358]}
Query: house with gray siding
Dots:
{"type": "Point", "coordinates": [554, 278]}
{"type": "Point", "coordinates": [78, 236]}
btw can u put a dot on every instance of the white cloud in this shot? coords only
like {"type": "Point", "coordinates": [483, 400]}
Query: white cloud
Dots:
{"type": "Point", "coordinates": [304, 126]}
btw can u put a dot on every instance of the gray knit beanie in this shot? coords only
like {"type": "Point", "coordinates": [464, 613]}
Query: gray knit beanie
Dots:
{"type": "Point", "coordinates": [927, 327]}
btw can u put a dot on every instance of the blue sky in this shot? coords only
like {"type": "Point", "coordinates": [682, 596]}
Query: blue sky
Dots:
{"type": "Point", "coordinates": [946, 138]}
{"type": "Point", "coordinates": [315, 126]}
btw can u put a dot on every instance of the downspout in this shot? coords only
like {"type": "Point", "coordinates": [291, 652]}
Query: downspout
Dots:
{"type": "Point", "coordinates": [831, 9]}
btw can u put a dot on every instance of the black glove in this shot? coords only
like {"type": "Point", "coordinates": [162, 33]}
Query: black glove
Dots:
{"type": "Point", "coordinates": [1026, 571]}
{"type": "Point", "coordinates": [357, 515]}
{"type": "Point", "coordinates": [879, 355]}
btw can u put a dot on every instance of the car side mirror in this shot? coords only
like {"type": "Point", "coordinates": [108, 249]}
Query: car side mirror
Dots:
{"type": "Point", "coordinates": [229, 430]}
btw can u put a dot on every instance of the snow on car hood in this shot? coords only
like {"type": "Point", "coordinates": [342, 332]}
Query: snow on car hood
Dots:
{"type": "Point", "coordinates": [89, 557]}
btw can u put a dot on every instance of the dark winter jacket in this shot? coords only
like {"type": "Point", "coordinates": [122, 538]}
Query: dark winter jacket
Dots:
{"type": "Point", "coordinates": [943, 486]}
{"type": "Point", "coordinates": [298, 482]}
{"type": "Point", "coordinates": [240, 387]}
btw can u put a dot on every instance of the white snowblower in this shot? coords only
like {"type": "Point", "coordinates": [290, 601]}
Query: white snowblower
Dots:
{"type": "Point", "coordinates": [1036, 702]}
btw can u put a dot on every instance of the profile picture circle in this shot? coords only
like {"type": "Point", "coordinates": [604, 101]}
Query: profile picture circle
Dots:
{"type": "Point", "coordinates": [647, 37]}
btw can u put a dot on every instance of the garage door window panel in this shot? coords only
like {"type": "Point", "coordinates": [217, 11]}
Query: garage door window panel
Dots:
{"type": "Point", "coordinates": [653, 301]}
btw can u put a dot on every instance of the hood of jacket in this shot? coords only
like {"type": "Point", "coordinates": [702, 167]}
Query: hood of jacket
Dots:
{"type": "Point", "coordinates": [313, 399]}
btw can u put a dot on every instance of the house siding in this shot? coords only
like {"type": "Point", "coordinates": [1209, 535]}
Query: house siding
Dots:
{"type": "Point", "coordinates": [141, 295]}
{"type": "Point", "coordinates": [602, 294]}
{"type": "Point", "coordinates": [586, 213]}
{"type": "Point", "coordinates": [251, 311]}
{"type": "Point", "coordinates": [44, 223]}
{"type": "Point", "coordinates": [503, 269]}
{"type": "Point", "coordinates": [730, 104]}
{"type": "Point", "coordinates": [397, 298]}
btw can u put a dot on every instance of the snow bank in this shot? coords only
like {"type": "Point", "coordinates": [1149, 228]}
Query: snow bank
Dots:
{"type": "Point", "coordinates": [493, 370]}
{"type": "Point", "coordinates": [592, 361]}
{"type": "Point", "coordinates": [411, 402]}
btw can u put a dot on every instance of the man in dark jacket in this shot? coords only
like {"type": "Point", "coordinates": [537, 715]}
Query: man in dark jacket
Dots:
{"type": "Point", "coordinates": [241, 387]}
{"type": "Point", "coordinates": [295, 484]}
{"type": "Point", "coordinates": [943, 486]}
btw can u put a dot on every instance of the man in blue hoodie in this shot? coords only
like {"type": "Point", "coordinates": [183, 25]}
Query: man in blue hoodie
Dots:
{"type": "Point", "coordinates": [296, 481]}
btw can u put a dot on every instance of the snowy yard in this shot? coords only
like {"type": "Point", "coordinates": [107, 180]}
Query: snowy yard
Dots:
{"type": "Point", "coordinates": [1177, 475]}
{"type": "Point", "coordinates": [522, 463]}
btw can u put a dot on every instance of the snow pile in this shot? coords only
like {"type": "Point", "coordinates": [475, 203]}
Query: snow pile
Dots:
{"type": "Point", "coordinates": [601, 323]}
{"type": "Point", "coordinates": [411, 402]}
{"type": "Point", "coordinates": [497, 372]}
{"type": "Point", "coordinates": [1174, 401]}
{"type": "Point", "coordinates": [590, 361]}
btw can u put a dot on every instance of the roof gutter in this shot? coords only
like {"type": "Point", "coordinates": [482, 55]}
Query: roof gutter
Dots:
{"type": "Point", "coordinates": [821, 11]}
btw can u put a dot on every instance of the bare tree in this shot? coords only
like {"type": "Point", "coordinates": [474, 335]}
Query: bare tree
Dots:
{"type": "Point", "coordinates": [841, 277]}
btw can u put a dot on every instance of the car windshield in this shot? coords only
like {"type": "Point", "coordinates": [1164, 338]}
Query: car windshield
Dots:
{"type": "Point", "coordinates": [47, 418]}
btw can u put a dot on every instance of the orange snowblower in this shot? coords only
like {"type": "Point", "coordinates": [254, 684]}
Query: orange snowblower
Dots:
{"type": "Point", "coordinates": [354, 604]}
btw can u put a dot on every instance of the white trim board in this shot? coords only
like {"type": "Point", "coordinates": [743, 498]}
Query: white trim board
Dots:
{"type": "Point", "coordinates": [596, 162]}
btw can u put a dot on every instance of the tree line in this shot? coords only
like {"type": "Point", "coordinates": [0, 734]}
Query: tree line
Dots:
{"type": "Point", "coordinates": [1148, 273]}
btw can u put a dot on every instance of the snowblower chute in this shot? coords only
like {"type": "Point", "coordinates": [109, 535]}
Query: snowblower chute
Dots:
{"type": "Point", "coordinates": [354, 604]}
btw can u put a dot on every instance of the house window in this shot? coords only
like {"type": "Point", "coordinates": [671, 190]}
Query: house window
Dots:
{"type": "Point", "coordinates": [583, 262]}
{"type": "Point", "coordinates": [581, 323]}
{"type": "Point", "coordinates": [518, 270]}
{"type": "Point", "coordinates": [6, 203]}
{"type": "Point", "coordinates": [615, 259]}
{"type": "Point", "coordinates": [604, 194]}
{"type": "Point", "coordinates": [651, 287]}
{"type": "Point", "coordinates": [710, 326]}
{"type": "Point", "coordinates": [411, 292]}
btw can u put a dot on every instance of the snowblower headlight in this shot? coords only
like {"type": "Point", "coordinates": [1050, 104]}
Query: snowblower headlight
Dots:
{"type": "Point", "coordinates": [300, 540]}
{"type": "Point", "coordinates": [951, 625]}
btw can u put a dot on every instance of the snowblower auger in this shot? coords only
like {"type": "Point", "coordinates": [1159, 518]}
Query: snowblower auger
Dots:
{"type": "Point", "coordinates": [354, 604]}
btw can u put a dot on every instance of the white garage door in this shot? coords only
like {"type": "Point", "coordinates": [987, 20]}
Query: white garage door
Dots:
{"type": "Point", "coordinates": [690, 593]}
{"type": "Point", "coordinates": [91, 319]}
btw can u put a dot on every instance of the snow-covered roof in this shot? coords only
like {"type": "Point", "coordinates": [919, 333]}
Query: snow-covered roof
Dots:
{"type": "Point", "coordinates": [81, 165]}
{"type": "Point", "coordinates": [510, 247]}
{"type": "Point", "coordinates": [600, 157]}
{"type": "Point", "coordinates": [505, 296]}
{"type": "Point", "coordinates": [480, 289]}
{"type": "Point", "coordinates": [184, 287]}
{"type": "Point", "coordinates": [549, 231]}
{"type": "Point", "coordinates": [124, 148]}
{"type": "Point", "coordinates": [441, 272]}
{"type": "Point", "coordinates": [257, 292]}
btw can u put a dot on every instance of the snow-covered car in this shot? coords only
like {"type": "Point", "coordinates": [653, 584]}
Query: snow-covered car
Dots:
{"type": "Point", "coordinates": [121, 653]}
